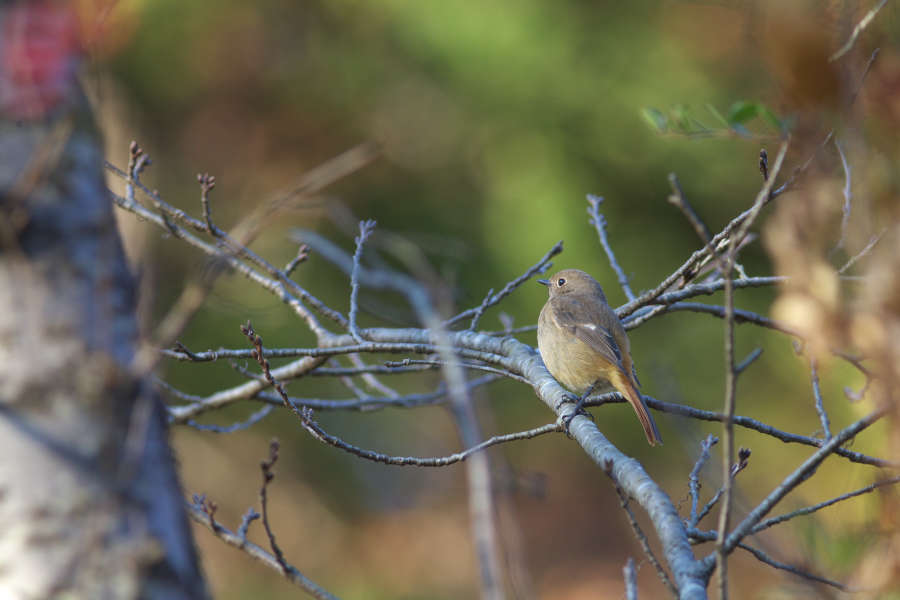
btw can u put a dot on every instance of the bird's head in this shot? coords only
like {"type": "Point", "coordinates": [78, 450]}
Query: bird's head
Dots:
{"type": "Point", "coordinates": [573, 281]}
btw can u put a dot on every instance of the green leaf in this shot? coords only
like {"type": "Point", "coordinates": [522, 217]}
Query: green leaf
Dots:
{"type": "Point", "coordinates": [769, 116]}
{"type": "Point", "coordinates": [682, 119]}
{"type": "Point", "coordinates": [742, 111]}
{"type": "Point", "coordinates": [655, 119]}
{"type": "Point", "coordinates": [717, 115]}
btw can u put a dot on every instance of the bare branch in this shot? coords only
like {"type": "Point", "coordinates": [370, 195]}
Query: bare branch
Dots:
{"type": "Point", "coordinates": [274, 286]}
{"type": "Point", "coordinates": [845, 210]}
{"type": "Point", "coordinates": [630, 580]}
{"type": "Point", "coordinates": [268, 476]}
{"type": "Point", "coordinates": [800, 474]}
{"type": "Point", "coordinates": [539, 267]}
{"type": "Point", "coordinates": [704, 536]}
{"type": "Point", "coordinates": [302, 255]}
{"type": "Point", "coordinates": [862, 77]}
{"type": "Point", "coordinates": [599, 223]}
{"type": "Point", "coordinates": [815, 507]}
{"type": "Point", "coordinates": [765, 558]}
{"type": "Point", "coordinates": [480, 310]}
{"type": "Point", "coordinates": [438, 363]}
{"type": "Point", "coordinates": [639, 534]}
{"type": "Point", "coordinates": [817, 395]}
{"type": "Point", "coordinates": [239, 541]}
{"type": "Point", "coordinates": [365, 230]}
{"type": "Point", "coordinates": [684, 272]}
{"type": "Point", "coordinates": [736, 468]}
{"type": "Point", "coordinates": [868, 248]}
{"type": "Point", "coordinates": [694, 477]}
{"type": "Point", "coordinates": [749, 423]}
{"type": "Point", "coordinates": [680, 201]}
{"type": "Point", "coordinates": [751, 358]}
{"type": "Point", "coordinates": [863, 23]}
{"type": "Point", "coordinates": [253, 419]}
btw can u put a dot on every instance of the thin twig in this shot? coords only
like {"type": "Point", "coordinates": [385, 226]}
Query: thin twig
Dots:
{"type": "Point", "coordinates": [207, 183]}
{"type": "Point", "coordinates": [749, 423]}
{"type": "Point", "coordinates": [328, 351]}
{"type": "Point", "coordinates": [271, 285]}
{"type": "Point", "coordinates": [247, 520]}
{"type": "Point", "coordinates": [800, 474]}
{"type": "Point", "coordinates": [765, 558]}
{"type": "Point", "coordinates": [369, 378]}
{"type": "Point", "coordinates": [538, 267]}
{"type": "Point", "coordinates": [736, 468]}
{"type": "Point", "coordinates": [868, 248]}
{"type": "Point", "coordinates": [684, 272]}
{"type": "Point", "coordinates": [707, 536]}
{"type": "Point", "coordinates": [302, 255]}
{"type": "Point", "coordinates": [479, 312]}
{"type": "Point", "coordinates": [365, 230]}
{"type": "Point", "coordinates": [816, 507]}
{"type": "Point", "coordinates": [862, 77]}
{"type": "Point", "coordinates": [640, 535]}
{"type": "Point", "coordinates": [199, 515]}
{"type": "Point", "coordinates": [694, 477]}
{"type": "Point", "coordinates": [845, 210]}
{"type": "Point", "coordinates": [267, 477]}
{"type": "Point", "coordinates": [751, 358]}
{"type": "Point", "coordinates": [680, 201]}
{"type": "Point", "coordinates": [599, 223]}
{"type": "Point", "coordinates": [863, 23]}
{"type": "Point", "coordinates": [731, 376]}
{"type": "Point", "coordinates": [250, 421]}
{"type": "Point", "coordinates": [166, 216]}
{"type": "Point", "coordinates": [630, 575]}
{"type": "Point", "coordinates": [437, 363]}
{"type": "Point", "coordinates": [817, 395]}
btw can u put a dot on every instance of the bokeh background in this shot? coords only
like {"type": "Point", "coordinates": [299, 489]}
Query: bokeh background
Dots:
{"type": "Point", "coordinates": [493, 121]}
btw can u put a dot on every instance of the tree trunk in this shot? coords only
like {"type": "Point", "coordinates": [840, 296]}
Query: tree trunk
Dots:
{"type": "Point", "coordinates": [90, 505]}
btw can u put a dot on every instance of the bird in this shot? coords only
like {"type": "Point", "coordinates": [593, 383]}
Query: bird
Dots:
{"type": "Point", "coordinates": [584, 345]}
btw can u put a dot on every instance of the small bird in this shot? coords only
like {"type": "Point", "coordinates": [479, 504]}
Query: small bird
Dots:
{"type": "Point", "coordinates": [584, 344]}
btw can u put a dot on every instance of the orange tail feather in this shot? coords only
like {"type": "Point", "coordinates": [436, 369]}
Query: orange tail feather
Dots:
{"type": "Point", "coordinates": [623, 384]}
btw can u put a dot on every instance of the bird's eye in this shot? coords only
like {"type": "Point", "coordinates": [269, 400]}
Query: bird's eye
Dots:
{"type": "Point", "coordinates": [561, 282]}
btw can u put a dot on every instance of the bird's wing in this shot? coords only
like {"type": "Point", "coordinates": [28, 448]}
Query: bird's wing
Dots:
{"type": "Point", "coordinates": [584, 320]}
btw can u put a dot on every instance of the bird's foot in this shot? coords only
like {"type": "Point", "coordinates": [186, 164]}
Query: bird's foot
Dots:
{"type": "Point", "coordinates": [566, 420]}
{"type": "Point", "coordinates": [567, 399]}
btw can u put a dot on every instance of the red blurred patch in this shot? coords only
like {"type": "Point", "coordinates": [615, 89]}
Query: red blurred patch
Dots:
{"type": "Point", "coordinates": [39, 51]}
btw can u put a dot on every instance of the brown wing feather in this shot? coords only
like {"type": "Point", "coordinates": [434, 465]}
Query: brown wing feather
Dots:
{"type": "Point", "coordinates": [586, 326]}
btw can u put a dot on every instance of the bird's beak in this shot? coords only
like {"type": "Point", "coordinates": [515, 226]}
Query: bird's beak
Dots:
{"type": "Point", "coordinates": [544, 282]}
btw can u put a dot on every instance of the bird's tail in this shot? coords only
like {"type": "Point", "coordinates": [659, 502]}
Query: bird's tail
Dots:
{"type": "Point", "coordinates": [626, 387]}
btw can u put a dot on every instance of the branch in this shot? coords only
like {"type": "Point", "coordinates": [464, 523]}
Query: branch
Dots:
{"type": "Point", "coordinates": [816, 507]}
{"type": "Point", "coordinates": [539, 267]}
{"type": "Point", "coordinates": [845, 211]}
{"type": "Point", "coordinates": [798, 476]}
{"type": "Point", "coordinates": [684, 272]}
{"type": "Point", "coordinates": [630, 580]}
{"type": "Point", "coordinates": [365, 230]}
{"type": "Point", "coordinates": [694, 477]}
{"type": "Point", "coordinates": [863, 23]}
{"type": "Point", "coordinates": [761, 556]}
{"type": "Point", "coordinates": [817, 395]}
{"type": "Point", "coordinates": [639, 534]}
{"type": "Point", "coordinates": [203, 517]}
{"type": "Point", "coordinates": [599, 223]}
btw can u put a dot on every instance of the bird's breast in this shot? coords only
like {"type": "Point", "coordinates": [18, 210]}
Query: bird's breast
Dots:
{"type": "Point", "coordinates": [572, 362]}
